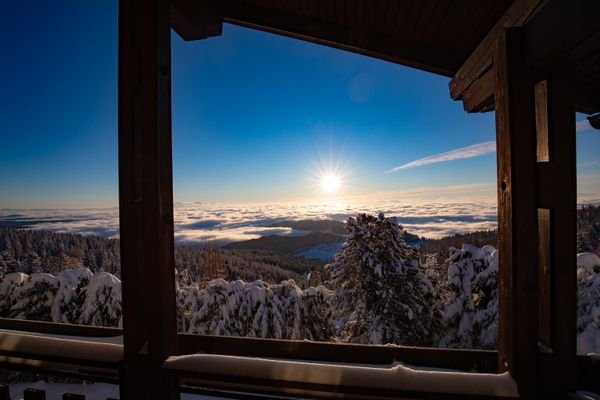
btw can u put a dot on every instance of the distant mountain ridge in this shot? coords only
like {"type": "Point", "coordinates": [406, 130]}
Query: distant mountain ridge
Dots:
{"type": "Point", "coordinates": [314, 225]}
{"type": "Point", "coordinates": [323, 234]}
{"type": "Point", "coordinates": [286, 244]}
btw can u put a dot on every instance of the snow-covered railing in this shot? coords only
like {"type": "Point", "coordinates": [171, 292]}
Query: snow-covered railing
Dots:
{"type": "Point", "coordinates": [63, 350]}
{"type": "Point", "coordinates": [463, 359]}
{"type": "Point", "coordinates": [58, 328]}
{"type": "Point", "coordinates": [305, 378]}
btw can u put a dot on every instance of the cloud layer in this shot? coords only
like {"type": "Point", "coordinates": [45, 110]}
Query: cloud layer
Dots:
{"type": "Point", "coordinates": [196, 223]}
{"type": "Point", "coordinates": [475, 150]}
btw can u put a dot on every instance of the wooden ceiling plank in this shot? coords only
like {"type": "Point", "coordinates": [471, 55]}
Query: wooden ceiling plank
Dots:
{"type": "Point", "coordinates": [401, 19]}
{"type": "Point", "coordinates": [351, 12]}
{"type": "Point", "coordinates": [342, 37]}
{"type": "Point", "coordinates": [383, 9]}
{"type": "Point", "coordinates": [340, 12]}
{"type": "Point", "coordinates": [411, 15]}
{"type": "Point", "coordinates": [480, 21]}
{"type": "Point", "coordinates": [194, 20]}
{"type": "Point", "coordinates": [424, 20]}
{"type": "Point", "coordinates": [590, 69]}
{"type": "Point", "coordinates": [368, 14]}
{"type": "Point", "coordinates": [438, 21]}
{"type": "Point", "coordinates": [559, 28]}
{"type": "Point", "coordinates": [587, 99]}
{"type": "Point", "coordinates": [391, 17]}
{"type": "Point", "coordinates": [481, 58]}
{"type": "Point", "coordinates": [321, 6]}
{"type": "Point", "coordinates": [458, 17]}
{"type": "Point", "coordinates": [376, 16]}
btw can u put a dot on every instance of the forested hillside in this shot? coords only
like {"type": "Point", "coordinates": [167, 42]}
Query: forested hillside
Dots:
{"type": "Point", "coordinates": [379, 288]}
{"type": "Point", "coordinates": [30, 251]}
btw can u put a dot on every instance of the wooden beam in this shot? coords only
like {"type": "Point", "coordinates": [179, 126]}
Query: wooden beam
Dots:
{"type": "Point", "coordinates": [437, 60]}
{"type": "Point", "coordinates": [561, 192]}
{"type": "Point", "coordinates": [269, 388]}
{"type": "Point", "coordinates": [517, 213]}
{"type": "Point", "coordinates": [146, 197]}
{"type": "Point", "coordinates": [481, 59]}
{"type": "Point", "coordinates": [58, 328]}
{"type": "Point", "coordinates": [195, 19]}
{"type": "Point", "coordinates": [558, 28]}
{"type": "Point", "coordinates": [545, 302]}
{"type": "Point", "coordinates": [587, 99]}
{"type": "Point", "coordinates": [479, 97]}
{"type": "Point", "coordinates": [467, 360]}
{"type": "Point", "coordinates": [541, 121]}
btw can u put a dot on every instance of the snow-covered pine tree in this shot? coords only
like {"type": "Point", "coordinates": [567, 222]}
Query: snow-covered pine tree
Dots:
{"type": "Point", "coordinates": [588, 303]}
{"type": "Point", "coordinates": [256, 309]}
{"type": "Point", "coordinates": [318, 323]}
{"type": "Point", "coordinates": [381, 293]}
{"type": "Point", "coordinates": [10, 283]}
{"type": "Point", "coordinates": [71, 295]}
{"type": "Point", "coordinates": [34, 298]}
{"type": "Point", "coordinates": [470, 307]}
{"type": "Point", "coordinates": [102, 306]}
{"type": "Point", "coordinates": [485, 298]}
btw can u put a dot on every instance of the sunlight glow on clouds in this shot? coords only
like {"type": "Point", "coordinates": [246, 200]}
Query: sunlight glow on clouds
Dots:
{"type": "Point", "coordinates": [195, 223]}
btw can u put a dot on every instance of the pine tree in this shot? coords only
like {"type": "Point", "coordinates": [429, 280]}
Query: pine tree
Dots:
{"type": "Point", "coordinates": [470, 307]}
{"type": "Point", "coordinates": [381, 293]}
{"type": "Point", "coordinates": [588, 303]}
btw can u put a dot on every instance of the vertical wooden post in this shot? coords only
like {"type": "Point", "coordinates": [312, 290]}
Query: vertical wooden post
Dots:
{"type": "Point", "coordinates": [558, 194]}
{"type": "Point", "coordinates": [146, 198]}
{"type": "Point", "coordinates": [517, 213]}
{"type": "Point", "coordinates": [4, 392]}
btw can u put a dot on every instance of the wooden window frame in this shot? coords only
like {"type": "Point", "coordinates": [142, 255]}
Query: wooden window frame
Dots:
{"type": "Point", "coordinates": [529, 174]}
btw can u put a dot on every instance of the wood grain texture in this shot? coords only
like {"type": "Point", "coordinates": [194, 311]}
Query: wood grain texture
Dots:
{"type": "Point", "coordinates": [146, 197]}
{"type": "Point", "coordinates": [480, 59]}
{"type": "Point", "coordinates": [541, 121]}
{"type": "Point", "coordinates": [517, 213]}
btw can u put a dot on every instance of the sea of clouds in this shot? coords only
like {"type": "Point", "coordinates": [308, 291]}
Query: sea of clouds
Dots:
{"type": "Point", "coordinates": [197, 223]}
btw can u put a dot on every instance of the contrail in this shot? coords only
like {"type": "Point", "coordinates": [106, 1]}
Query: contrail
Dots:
{"type": "Point", "coordinates": [475, 150]}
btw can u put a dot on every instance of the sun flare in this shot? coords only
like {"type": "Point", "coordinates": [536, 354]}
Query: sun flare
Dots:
{"type": "Point", "coordinates": [330, 183]}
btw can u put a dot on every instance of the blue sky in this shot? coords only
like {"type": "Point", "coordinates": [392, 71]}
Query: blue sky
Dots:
{"type": "Point", "coordinates": [256, 117]}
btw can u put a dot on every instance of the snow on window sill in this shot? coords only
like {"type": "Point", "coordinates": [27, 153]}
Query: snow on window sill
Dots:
{"type": "Point", "coordinates": [101, 349]}
{"type": "Point", "coordinates": [386, 377]}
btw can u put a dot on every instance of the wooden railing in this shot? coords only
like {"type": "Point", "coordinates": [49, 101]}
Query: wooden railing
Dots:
{"type": "Point", "coordinates": [460, 359]}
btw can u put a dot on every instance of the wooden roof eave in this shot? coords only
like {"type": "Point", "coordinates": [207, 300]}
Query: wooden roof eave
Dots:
{"type": "Point", "coordinates": [192, 20]}
{"type": "Point", "coordinates": [552, 31]}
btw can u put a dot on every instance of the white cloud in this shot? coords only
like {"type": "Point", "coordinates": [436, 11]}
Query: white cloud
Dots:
{"type": "Point", "coordinates": [475, 150]}
{"type": "Point", "coordinates": [225, 223]}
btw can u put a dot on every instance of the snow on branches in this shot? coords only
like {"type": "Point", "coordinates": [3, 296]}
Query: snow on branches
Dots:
{"type": "Point", "coordinates": [470, 298]}
{"type": "Point", "coordinates": [381, 293]}
{"type": "Point", "coordinates": [588, 303]}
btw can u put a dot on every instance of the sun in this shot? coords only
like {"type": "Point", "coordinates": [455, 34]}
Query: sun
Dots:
{"type": "Point", "coordinates": [330, 183]}
{"type": "Point", "coordinates": [329, 175]}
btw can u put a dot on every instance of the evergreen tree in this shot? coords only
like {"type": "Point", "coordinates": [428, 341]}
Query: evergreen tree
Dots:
{"type": "Point", "coordinates": [381, 293]}
{"type": "Point", "coordinates": [588, 303]}
{"type": "Point", "coordinates": [470, 305]}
